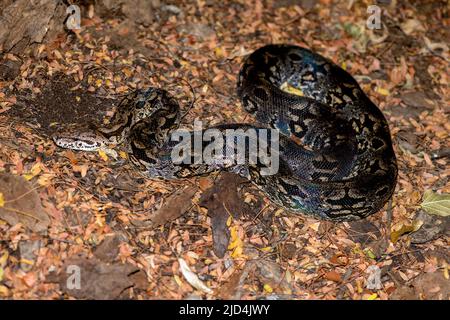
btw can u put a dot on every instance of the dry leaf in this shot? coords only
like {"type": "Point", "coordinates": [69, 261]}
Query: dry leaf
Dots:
{"type": "Point", "coordinates": [333, 276]}
{"type": "Point", "coordinates": [174, 206]}
{"type": "Point", "coordinates": [406, 228]}
{"type": "Point", "coordinates": [411, 26]}
{"type": "Point", "coordinates": [434, 203]}
{"type": "Point", "coordinates": [192, 278]}
{"type": "Point", "coordinates": [21, 203]}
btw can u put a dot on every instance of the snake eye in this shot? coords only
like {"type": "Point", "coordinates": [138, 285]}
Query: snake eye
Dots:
{"type": "Point", "coordinates": [294, 57]}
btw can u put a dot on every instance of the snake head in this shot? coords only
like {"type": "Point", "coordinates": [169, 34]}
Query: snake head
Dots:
{"type": "Point", "coordinates": [82, 141]}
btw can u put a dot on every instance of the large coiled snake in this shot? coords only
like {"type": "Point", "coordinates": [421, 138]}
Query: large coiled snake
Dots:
{"type": "Point", "coordinates": [336, 159]}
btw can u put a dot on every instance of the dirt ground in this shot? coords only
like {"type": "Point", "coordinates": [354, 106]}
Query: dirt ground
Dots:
{"type": "Point", "coordinates": [218, 237]}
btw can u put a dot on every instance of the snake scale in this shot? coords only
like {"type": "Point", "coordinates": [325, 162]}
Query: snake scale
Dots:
{"type": "Point", "coordinates": [335, 150]}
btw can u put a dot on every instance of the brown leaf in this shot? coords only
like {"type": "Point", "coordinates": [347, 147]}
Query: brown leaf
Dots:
{"type": "Point", "coordinates": [363, 232]}
{"type": "Point", "coordinates": [339, 259]}
{"type": "Point", "coordinates": [417, 99]}
{"type": "Point", "coordinates": [174, 206]}
{"type": "Point", "coordinates": [205, 183]}
{"type": "Point", "coordinates": [22, 203]}
{"type": "Point", "coordinates": [222, 200]}
{"type": "Point", "coordinates": [333, 276]}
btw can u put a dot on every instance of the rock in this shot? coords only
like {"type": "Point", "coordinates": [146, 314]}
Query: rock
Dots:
{"type": "Point", "coordinates": [363, 232]}
{"type": "Point", "coordinates": [142, 12]}
{"type": "Point", "coordinates": [409, 140]}
{"type": "Point", "coordinates": [272, 274]}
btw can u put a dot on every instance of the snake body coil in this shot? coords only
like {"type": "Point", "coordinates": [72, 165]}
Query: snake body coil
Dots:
{"type": "Point", "coordinates": [336, 159]}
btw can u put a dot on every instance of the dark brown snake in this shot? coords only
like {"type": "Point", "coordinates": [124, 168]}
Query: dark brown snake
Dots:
{"type": "Point", "coordinates": [336, 159]}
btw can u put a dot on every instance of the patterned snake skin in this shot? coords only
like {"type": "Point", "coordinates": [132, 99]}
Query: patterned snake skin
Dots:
{"type": "Point", "coordinates": [335, 153]}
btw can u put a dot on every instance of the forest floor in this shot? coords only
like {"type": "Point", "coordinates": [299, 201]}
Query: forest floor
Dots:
{"type": "Point", "coordinates": [132, 237]}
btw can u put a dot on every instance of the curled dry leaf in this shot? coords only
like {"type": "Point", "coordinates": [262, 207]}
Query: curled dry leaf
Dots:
{"type": "Point", "coordinates": [404, 229]}
{"type": "Point", "coordinates": [192, 278]}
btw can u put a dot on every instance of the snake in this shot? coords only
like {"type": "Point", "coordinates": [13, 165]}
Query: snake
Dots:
{"type": "Point", "coordinates": [336, 159]}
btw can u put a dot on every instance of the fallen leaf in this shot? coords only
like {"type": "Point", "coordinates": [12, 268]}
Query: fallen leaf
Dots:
{"type": "Point", "coordinates": [333, 276]}
{"type": "Point", "coordinates": [412, 25]}
{"type": "Point", "coordinates": [373, 296]}
{"type": "Point", "coordinates": [405, 228]}
{"type": "Point", "coordinates": [191, 277]}
{"type": "Point", "coordinates": [4, 291]}
{"type": "Point", "coordinates": [21, 203]}
{"type": "Point", "coordinates": [174, 206]}
{"type": "Point", "coordinates": [436, 46]}
{"type": "Point", "coordinates": [236, 243]}
{"type": "Point", "coordinates": [268, 288]}
{"type": "Point", "coordinates": [382, 91]}
{"type": "Point", "coordinates": [434, 203]}
{"type": "Point", "coordinates": [223, 200]}
{"type": "Point", "coordinates": [102, 155]}
{"type": "Point", "coordinates": [34, 171]}
{"type": "Point", "coordinates": [82, 169]}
